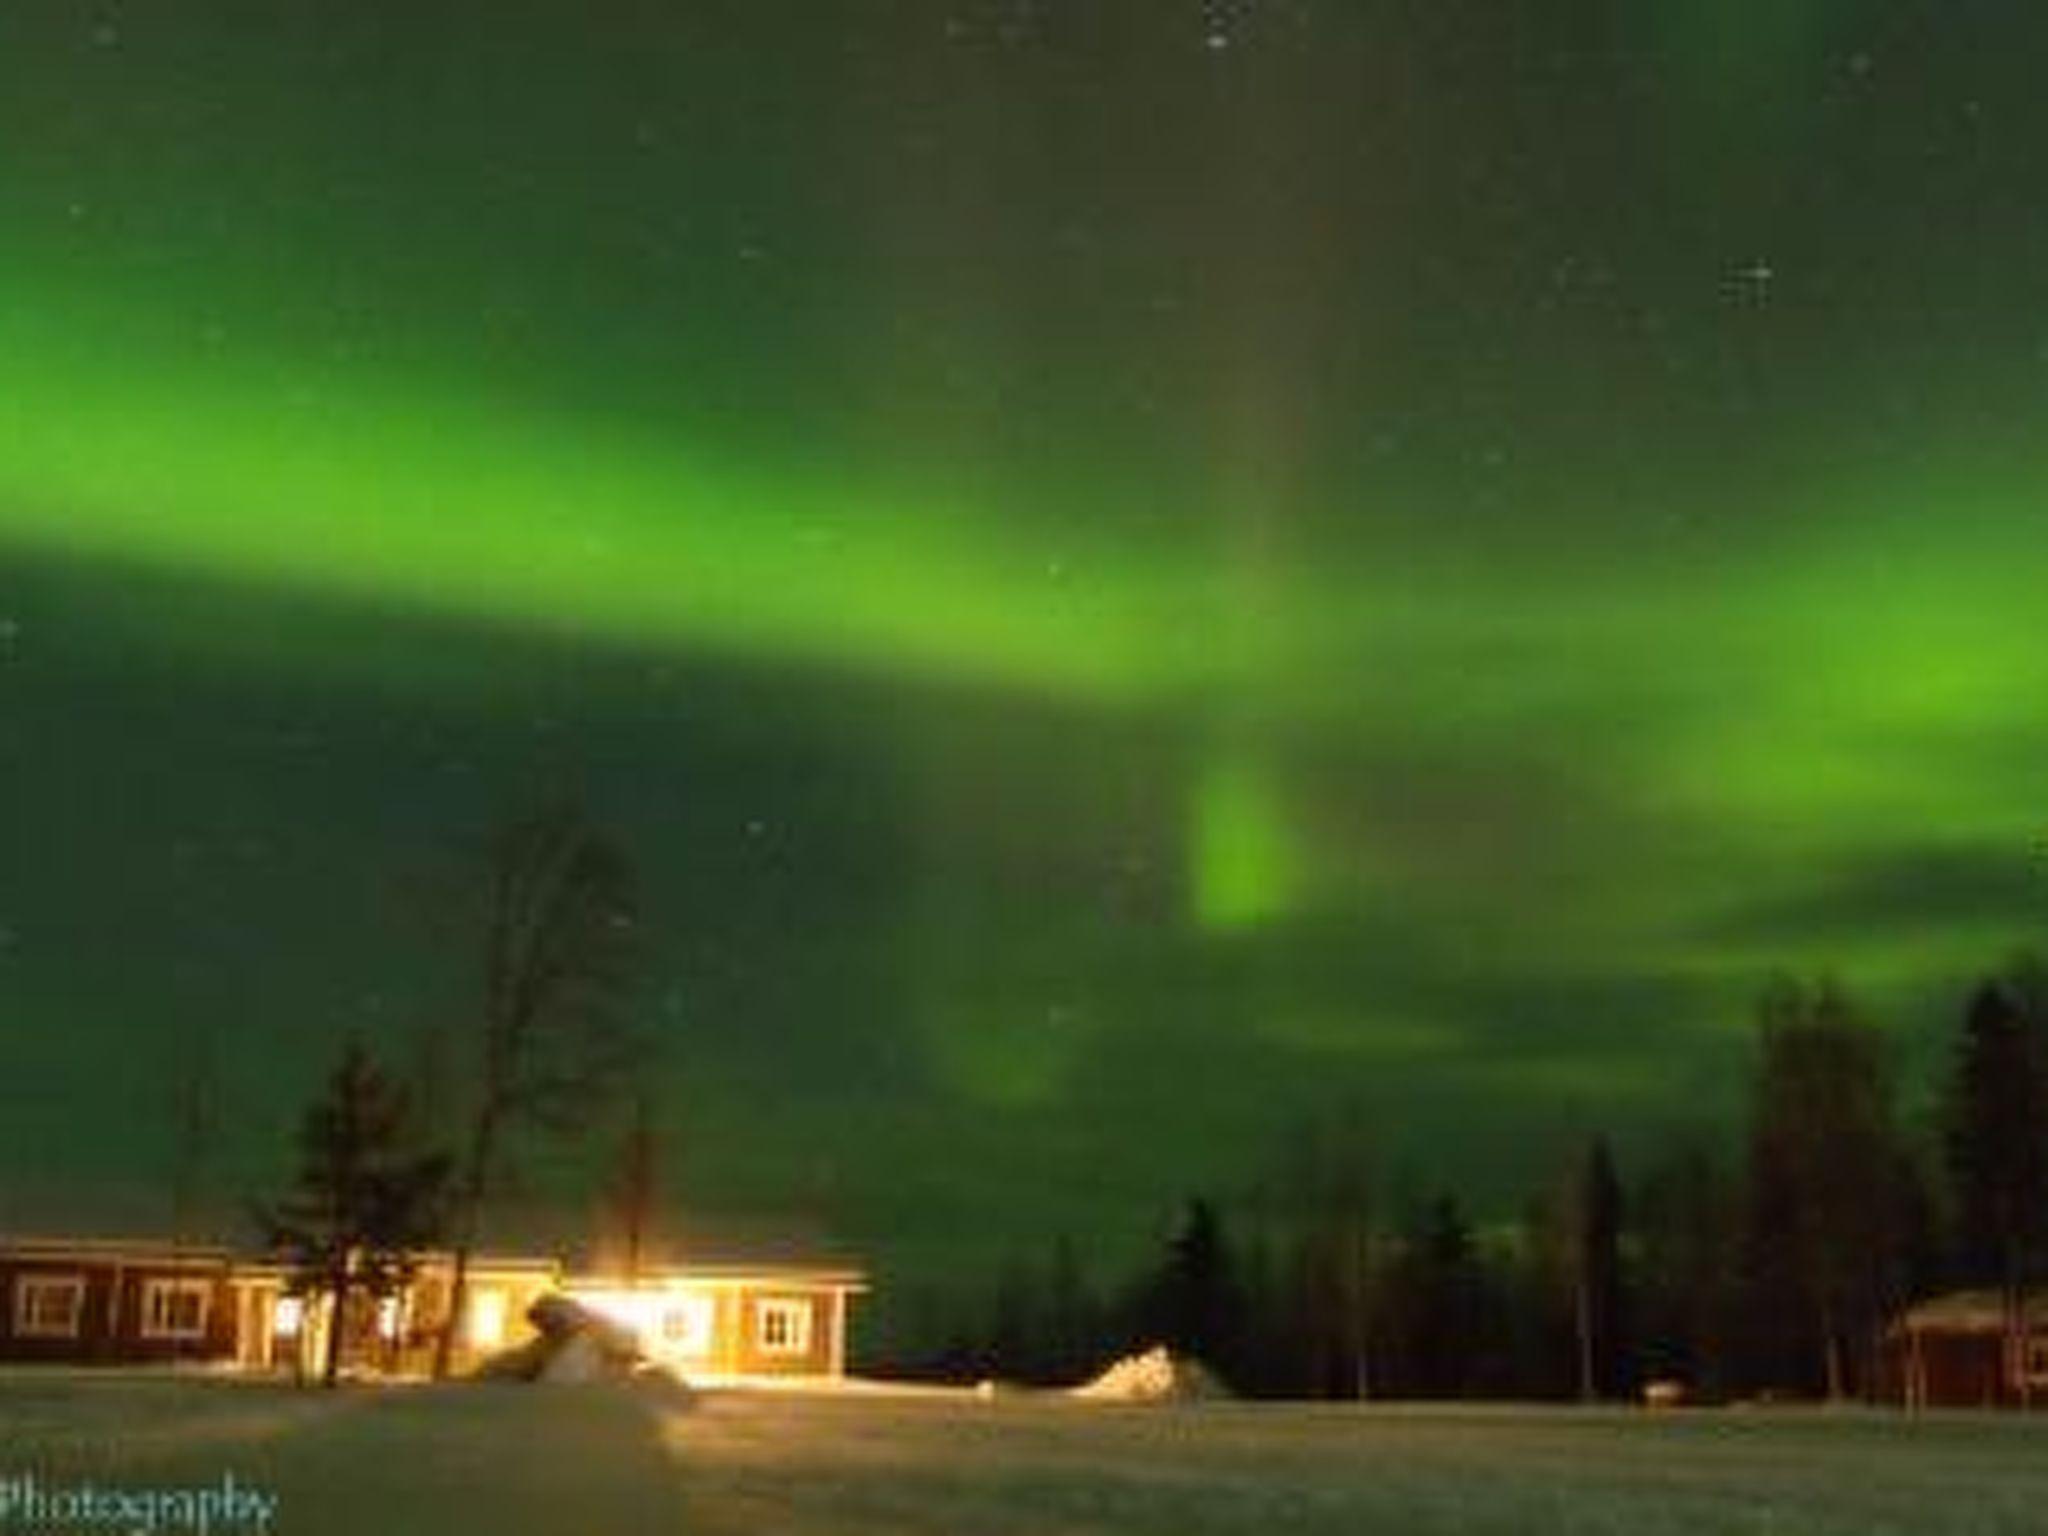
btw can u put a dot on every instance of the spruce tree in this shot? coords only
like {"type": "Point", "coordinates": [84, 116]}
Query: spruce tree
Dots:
{"type": "Point", "coordinates": [366, 1197]}
{"type": "Point", "coordinates": [1997, 1147]}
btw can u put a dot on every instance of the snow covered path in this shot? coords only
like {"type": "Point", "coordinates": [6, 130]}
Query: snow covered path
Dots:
{"type": "Point", "coordinates": [604, 1461]}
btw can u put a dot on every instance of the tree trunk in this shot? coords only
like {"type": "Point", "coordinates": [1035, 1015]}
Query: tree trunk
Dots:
{"type": "Point", "coordinates": [2015, 1307]}
{"type": "Point", "coordinates": [1582, 1310]}
{"type": "Point", "coordinates": [1831, 1341]}
{"type": "Point", "coordinates": [458, 1294]}
{"type": "Point", "coordinates": [337, 1312]}
{"type": "Point", "coordinates": [474, 1184]}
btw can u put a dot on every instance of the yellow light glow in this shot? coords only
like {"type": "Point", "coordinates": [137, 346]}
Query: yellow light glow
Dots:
{"type": "Point", "coordinates": [487, 1319]}
{"type": "Point", "coordinates": [666, 1320]}
{"type": "Point", "coordinates": [289, 1316]}
{"type": "Point", "coordinates": [387, 1318]}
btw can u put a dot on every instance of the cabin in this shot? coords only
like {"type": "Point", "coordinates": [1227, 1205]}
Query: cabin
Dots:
{"type": "Point", "coordinates": [96, 1301]}
{"type": "Point", "coordinates": [101, 1301]}
{"type": "Point", "coordinates": [1956, 1351]}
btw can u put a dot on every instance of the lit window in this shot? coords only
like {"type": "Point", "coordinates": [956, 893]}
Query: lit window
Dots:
{"type": "Point", "coordinates": [783, 1327]}
{"type": "Point", "coordinates": [175, 1309]}
{"type": "Point", "coordinates": [48, 1306]}
{"type": "Point", "coordinates": [289, 1317]}
{"type": "Point", "coordinates": [487, 1319]}
{"type": "Point", "coordinates": [2037, 1360]}
{"type": "Point", "coordinates": [387, 1317]}
{"type": "Point", "coordinates": [686, 1324]}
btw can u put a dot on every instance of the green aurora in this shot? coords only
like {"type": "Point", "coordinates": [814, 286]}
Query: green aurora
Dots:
{"type": "Point", "coordinates": [1124, 588]}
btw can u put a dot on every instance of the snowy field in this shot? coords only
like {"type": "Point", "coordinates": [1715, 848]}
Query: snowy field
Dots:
{"type": "Point", "coordinates": [601, 1460]}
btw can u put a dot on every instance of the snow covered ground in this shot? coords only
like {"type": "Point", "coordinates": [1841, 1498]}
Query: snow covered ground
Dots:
{"type": "Point", "coordinates": [601, 1459]}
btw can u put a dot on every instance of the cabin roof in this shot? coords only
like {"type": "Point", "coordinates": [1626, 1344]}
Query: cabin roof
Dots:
{"type": "Point", "coordinates": [484, 1264]}
{"type": "Point", "coordinates": [1972, 1311]}
{"type": "Point", "coordinates": [112, 1250]}
{"type": "Point", "coordinates": [840, 1277]}
{"type": "Point", "coordinates": [166, 1251]}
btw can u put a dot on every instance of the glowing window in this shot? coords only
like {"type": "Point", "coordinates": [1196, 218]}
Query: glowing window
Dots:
{"type": "Point", "coordinates": [175, 1309]}
{"type": "Point", "coordinates": [487, 1319]}
{"type": "Point", "coordinates": [387, 1317]}
{"type": "Point", "coordinates": [783, 1327]}
{"type": "Point", "coordinates": [686, 1322]}
{"type": "Point", "coordinates": [48, 1306]}
{"type": "Point", "coordinates": [2037, 1360]}
{"type": "Point", "coordinates": [289, 1317]}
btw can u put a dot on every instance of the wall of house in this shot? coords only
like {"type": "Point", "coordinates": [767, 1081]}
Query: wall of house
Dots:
{"type": "Point", "coordinates": [111, 1314]}
{"type": "Point", "coordinates": [491, 1289]}
{"type": "Point", "coordinates": [1946, 1370]}
{"type": "Point", "coordinates": [781, 1326]}
{"type": "Point", "coordinates": [401, 1339]}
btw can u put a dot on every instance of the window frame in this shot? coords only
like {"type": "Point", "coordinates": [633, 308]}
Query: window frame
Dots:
{"type": "Point", "coordinates": [161, 1292]}
{"type": "Point", "coordinates": [2034, 1358]}
{"type": "Point", "coordinates": [796, 1313]}
{"type": "Point", "coordinates": [28, 1287]}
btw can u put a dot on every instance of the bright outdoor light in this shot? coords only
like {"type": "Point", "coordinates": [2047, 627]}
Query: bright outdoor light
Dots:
{"type": "Point", "coordinates": [487, 1319]}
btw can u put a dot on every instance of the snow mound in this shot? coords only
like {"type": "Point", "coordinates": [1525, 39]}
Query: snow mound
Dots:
{"type": "Point", "coordinates": [576, 1360]}
{"type": "Point", "coordinates": [574, 1345]}
{"type": "Point", "coordinates": [1156, 1376]}
{"type": "Point", "coordinates": [663, 1387]}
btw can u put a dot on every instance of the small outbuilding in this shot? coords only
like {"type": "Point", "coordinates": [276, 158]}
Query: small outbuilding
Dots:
{"type": "Point", "coordinates": [1962, 1350]}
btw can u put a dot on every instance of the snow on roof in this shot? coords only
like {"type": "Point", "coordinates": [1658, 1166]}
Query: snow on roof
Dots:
{"type": "Point", "coordinates": [808, 1276]}
{"type": "Point", "coordinates": [143, 1250]}
{"type": "Point", "coordinates": [480, 1264]}
{"type": "Point", "coordinates": [158, 1250]}
{"type": "Point", "coordinates": [1977, 1311]}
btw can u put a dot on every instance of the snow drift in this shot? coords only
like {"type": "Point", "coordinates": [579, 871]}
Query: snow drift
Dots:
{"type": "Point", "coordinates": [1156, 1376]}
{"type": "Point", "coordinates": [574, 1345]}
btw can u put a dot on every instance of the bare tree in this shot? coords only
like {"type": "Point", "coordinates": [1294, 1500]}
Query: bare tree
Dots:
{"type": "Point", "coordinates": [549, 1038]}
{"type": "Point", "coordinates": [195, 1110]}
{"type": "Point", "coordinates": [634, 1188]}
{"type": "Point", "coordinates": [1328, 1178]}
{"type": "Point", "coordinates": [1595, 1270]}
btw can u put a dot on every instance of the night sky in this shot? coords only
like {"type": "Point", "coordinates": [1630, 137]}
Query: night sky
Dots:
{"type": "Point", "coordinates": [1129, 573]}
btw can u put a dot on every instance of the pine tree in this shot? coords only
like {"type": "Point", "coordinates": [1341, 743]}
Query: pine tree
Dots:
{"type": "Point", "coordinates": [1825, 1159]}
{"type": "Point", "coordinates": [1997, 1146]}
{"type": "Point", "coordinates": [1194, 1304]}
{"type": "Point", "coordinates": [1686, 1220]}
{"type": "Point", "coordinates": [1596, 1273]}
{"type": "Point", "coordinates": [1434, 1313]}
{"type": "Point", "coordinates": [366, 1198]}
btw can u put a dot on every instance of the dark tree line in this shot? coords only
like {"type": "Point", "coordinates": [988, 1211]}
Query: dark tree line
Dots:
{"type": "Point", "coordinates": [1769, 1263]}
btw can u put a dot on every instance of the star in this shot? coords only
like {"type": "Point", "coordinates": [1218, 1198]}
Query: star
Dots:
{"type": "Point", "coordinates": [1752, 282]}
